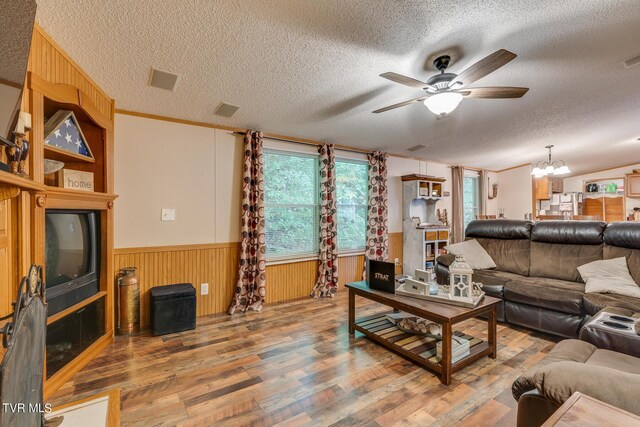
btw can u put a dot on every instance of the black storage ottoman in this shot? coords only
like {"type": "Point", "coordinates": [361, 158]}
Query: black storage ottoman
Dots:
{"type": "Point", "coordinates": [173, 308]}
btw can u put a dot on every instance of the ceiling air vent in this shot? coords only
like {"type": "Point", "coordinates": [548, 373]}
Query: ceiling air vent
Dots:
{"type": "Point", "coordinates": [631, 62]}
{"type": "Point", "coordinates": [225, 110]}
{"type": "Point", "coordinates": [416, 147]}
{"type": "Point", "coordinates": [163, 80]}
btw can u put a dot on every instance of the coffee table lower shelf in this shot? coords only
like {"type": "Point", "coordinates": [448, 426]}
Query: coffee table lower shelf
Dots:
{"type": "Point", "coordinates": [420, 349]}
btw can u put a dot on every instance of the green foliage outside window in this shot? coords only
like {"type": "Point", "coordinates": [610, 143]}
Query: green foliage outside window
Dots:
{"type": "Point", "coordinates": [292, 210]}
{"type": "Point", "coordinates": [291, 203]}
{"type": "Point", "coordinates": [352, 198]}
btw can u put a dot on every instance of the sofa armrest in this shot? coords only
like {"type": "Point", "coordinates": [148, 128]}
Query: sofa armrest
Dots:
{"type": "Point", "coordinates": [574, 351]}
{"type": "Point", "coordinates": [558, 381]}
{"type": "Point", "coordinates": [446, 259]}
{"type": "Point", "coordinates": [534, 409]}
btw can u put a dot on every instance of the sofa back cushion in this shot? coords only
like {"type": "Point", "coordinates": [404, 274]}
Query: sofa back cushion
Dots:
{"type": "Point", "coordinates": [558, 248]}
{"type": "Point", "coordinates": [506, 241]}
{"type": "Point", "coordinates": [511, 256]}
{"type": "Point", "coordinates": [632, 256]}
{"type": "Point", "coordinates": [623, 239]}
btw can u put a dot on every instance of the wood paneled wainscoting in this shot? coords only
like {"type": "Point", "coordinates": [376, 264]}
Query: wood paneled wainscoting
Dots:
{"type": "Point", "coordinates": [217, 265]}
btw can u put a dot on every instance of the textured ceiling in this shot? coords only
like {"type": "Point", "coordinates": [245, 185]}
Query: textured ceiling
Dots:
{"type": "Point", "coordinates": [310, 69]}
{"type": "Point", "coordinates": [16, 24]}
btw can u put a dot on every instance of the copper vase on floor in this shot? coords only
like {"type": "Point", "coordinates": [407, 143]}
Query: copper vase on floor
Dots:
{"type": "Point", "coordinates": [128, 301]}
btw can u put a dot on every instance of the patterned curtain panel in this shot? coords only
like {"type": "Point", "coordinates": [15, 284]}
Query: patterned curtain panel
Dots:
{"type": "Point", "coordinates": [377, 224]}
{"type": "Point", "coordinates": [483, 177]}
{"type": "Point", "coordinates": [327, 283]}
{"type": "Point", "coordinates": [457, 204]}
{"type": "Point", "coordinates": [250, 290]}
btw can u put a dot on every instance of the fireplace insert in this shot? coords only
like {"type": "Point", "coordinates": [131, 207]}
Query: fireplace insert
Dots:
{"type": "Point", "coordinates": [21, 371]}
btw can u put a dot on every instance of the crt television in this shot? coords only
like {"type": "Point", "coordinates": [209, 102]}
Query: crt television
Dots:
{"type": "Point", "coordinates": [71, 257]}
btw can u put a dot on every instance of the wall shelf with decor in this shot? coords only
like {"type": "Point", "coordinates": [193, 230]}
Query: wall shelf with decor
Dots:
{"type": "Point", "coordinates": [56, 88]}
{"type": "Point", "coordinates": [423, 235]}
{"type": "Point", "coordinates": [76, 137]}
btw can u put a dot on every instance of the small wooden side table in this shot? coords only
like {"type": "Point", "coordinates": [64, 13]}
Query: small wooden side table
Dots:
{"type": "Point", "coordinates": [581, 410]}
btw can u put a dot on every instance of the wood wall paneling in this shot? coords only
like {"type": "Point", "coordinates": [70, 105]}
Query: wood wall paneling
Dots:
{"type": "Point", "coordinates": [214, 264]}
{"type": "Point", "coordinates": [217, 264]}
{"type": "Point", "coordinates": [350, 269]}
{"type": "Point", "coordinates": [50, 62]}
{"type": "Point", "coordinates": [395, 250]}
{"type": "Point", "coordinates": [290, 281]}
{"type": "Point", "coordinates": [6, 270]}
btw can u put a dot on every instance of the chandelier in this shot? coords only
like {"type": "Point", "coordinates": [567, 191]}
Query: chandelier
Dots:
{"type": "Point", "coordinates": [549, 167]}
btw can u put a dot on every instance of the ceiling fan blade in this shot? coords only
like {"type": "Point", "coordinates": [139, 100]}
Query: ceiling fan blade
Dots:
{"type": "Point", "coordinates": [494, 92]}
{"type": "Point", "coordinates": [483, 67]}
{"type": "Point", "coordinates": [404, 80]}
{"type": "Point", "coordinates": [400, 104]}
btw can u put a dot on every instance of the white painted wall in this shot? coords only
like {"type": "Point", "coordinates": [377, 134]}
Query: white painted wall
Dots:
{"type": "Point", "coordinates": [396, 167]}
{"type": "Point", "coordinates": [10, 97]}
{"type": "Point", "coordinates": [195, 170]}
{"type": "Point", "coordinates": [515, 192]}
{"type": "Point", "coordinates": [576, 183]}
{"type": "Point", "coordinates": [492, 204]}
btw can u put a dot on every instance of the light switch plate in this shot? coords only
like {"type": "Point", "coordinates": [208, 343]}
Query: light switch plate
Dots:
{"type": "Point", "coordinates": [204, 289]}
{"type": "Point", "coordinates": [168, 214]}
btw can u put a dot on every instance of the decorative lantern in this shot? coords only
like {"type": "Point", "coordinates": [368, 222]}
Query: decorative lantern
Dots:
{"type": "Point", "coordinates": [460, 284]}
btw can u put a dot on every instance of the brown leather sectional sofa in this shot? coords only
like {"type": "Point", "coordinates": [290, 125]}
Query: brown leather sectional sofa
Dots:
{"type": "Point", "coordinates": [572, 366]}
{"type": "Point", "coordinates": [536, 275]}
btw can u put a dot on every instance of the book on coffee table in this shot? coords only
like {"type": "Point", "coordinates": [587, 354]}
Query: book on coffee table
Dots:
{"type": "Point", "coordinates": [396, 317]}
{"type": "Point", "coordinates": [460, 349]}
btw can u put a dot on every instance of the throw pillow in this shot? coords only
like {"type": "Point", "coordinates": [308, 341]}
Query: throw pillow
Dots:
{"type": "Point", "coordinates": [610, 276]}
{"type": "Point", "coordinates": [473, 253]}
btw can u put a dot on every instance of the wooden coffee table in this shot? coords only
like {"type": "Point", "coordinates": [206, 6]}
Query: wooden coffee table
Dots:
{"type": "Point", "coordinates": [581, 410]}
{"type": "Point", "coordinates": [420, 349]}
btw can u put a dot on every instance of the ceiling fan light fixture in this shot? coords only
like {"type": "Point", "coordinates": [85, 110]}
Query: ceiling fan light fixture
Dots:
{"type": "Point", "coordinates": [443, 103]}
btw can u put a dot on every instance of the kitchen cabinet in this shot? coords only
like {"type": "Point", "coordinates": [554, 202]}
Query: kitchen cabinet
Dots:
{"type": "Point", "coordinates": [546, 186]}
{"type": "Point", "coordinates": [633, 185]}
{"type": "Point", "coordinates": [543, 191]}
{"type": "Point", "coordinates": [607, 208]}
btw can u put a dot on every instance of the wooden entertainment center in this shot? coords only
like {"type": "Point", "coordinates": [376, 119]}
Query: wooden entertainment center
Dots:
{"type": "Point", "coordinates": [55, 82]}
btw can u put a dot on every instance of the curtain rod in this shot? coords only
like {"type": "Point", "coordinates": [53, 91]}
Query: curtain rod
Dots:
{"type": "Point", "coordinates": [315, 144]}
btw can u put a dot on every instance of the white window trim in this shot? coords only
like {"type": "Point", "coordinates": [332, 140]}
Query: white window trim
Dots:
{"type": "Point", "coordinates": [359, 250]}
{"type": "Point", "coordinates": [284, 149]}
{"type": "Point", "coordinates": [290, 260]}
{"type": "Point", "coordinates": [300, 256]}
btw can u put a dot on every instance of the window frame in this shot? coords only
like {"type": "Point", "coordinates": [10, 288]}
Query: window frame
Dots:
{"type": "Point", "coordinates": [296, 256]}
{"type": "Point", "coordinates": [358, 250]}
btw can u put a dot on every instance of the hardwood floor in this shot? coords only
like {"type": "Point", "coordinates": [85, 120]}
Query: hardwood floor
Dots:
{"type": "Point", "coordinates": [294, 364]}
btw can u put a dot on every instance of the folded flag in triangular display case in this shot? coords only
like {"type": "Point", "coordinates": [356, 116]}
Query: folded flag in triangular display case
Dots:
{"type": "Point", "coordinates": [62, 131]}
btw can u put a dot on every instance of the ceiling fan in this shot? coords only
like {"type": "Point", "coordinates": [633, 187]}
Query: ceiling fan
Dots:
{"type": "Point", "coordinates": [444, 91]}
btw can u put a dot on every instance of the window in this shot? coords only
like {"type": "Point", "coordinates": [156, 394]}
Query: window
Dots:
{"type": "Point", "coordinates": [352, 200]}
{"type": "Point", "coordinates": [291, 204]}
{"type": "Point", "coordinates": [471, 198]}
